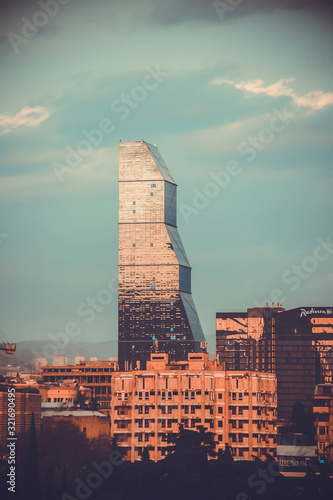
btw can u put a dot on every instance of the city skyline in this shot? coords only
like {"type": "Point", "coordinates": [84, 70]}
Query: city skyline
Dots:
{"type": "Point", "coordinates": [240, 107]}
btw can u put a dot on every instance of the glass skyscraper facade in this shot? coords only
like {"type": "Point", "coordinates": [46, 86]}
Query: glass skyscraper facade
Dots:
{"type": "Point", "coordinates": [156, 309]}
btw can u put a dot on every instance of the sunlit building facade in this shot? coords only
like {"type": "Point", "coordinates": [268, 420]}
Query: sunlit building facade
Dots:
{"type": "Point", "coordinates": [156, 309]}
{"type": "Point", "coordinates": [296, 344]}
{"type": "Point", "coordinates": [239, 407]}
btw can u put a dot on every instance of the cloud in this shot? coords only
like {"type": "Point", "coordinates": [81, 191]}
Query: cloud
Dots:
{"type": "Point", "coordinates": [178, 11]}
{"type": "Point", "coordinates": [27, 117]}
{"type": "Point", "coordinates": [315, 99]}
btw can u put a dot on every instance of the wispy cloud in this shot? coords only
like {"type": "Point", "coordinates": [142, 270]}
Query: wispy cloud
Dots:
{"type": "Point", "coordinates": [316, 99]}
{"type": "Point", "coordinates": [27, 117]}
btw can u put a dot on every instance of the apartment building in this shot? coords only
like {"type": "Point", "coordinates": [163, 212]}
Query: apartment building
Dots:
{"type": "Point", "coordinates": [239, 407]}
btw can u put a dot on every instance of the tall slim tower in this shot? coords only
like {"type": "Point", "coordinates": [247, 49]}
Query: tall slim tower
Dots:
{"type": "Point", "coordinates": [156, 309]}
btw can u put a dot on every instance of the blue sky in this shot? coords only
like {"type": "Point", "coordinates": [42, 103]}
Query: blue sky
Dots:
{"type": "Point", "coordinates": [224, 78]}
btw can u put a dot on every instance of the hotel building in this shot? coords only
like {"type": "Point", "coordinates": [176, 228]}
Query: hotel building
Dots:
{"type": "Point", "coordinates": [297, 345]}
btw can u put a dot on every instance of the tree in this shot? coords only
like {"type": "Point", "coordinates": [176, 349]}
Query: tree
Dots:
{"type": "Point", "coordinates": [31, 480]}
{"type": "Point", "coordinates": [198, 444]}
{"type": "Point", "coordinates": [145, 455]}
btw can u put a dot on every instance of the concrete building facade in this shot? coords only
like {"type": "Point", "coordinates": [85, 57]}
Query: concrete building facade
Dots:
{"type": "Point", "coordinates": [238, 407]}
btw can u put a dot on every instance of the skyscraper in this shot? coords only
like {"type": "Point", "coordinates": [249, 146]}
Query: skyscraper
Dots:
{"type": "Point", "coordinates": [156, 309]}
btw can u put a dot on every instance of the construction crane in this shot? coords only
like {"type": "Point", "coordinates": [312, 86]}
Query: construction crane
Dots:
{"type": "Point", "coordinates": [5, 345]}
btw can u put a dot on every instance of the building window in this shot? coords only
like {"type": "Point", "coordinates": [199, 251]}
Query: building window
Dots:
{"type": "Point", "coordinates": [220, 437]}
{"type": "Point", "coordinates": [220, 423]}
{"type": "Point", "coordinates": [133, 244]}
{"type": "Point", "coordinates": [171, 304]}
{"type": "Point", "coordinates": [133, 346]}
{"type": "Point", "coordinates": [184, 337]}
{"type": "Point", "coordinates": [84, 430]}
{"type": "Point", "coordinates": [240, 396]}
{"type": "Point", "coordinates": [152, 287]}
{"type": "Point", "coordinates": [240, 410]}
{"type": "Point", "coordinates": [234, 396]}
{"type": "Point", "coordinates": [220, 395]}
{"type": "Point", "coordinates": [153, 185]}
{"type": "Point", "coordinates": [146, 410]}
{"type": "Point", "coordinates": [220, 409]}
{"type": "Point", "coordinates": [133, 211]}
{"type": "Point", "coordinates": [133, 202]}
{"type": "Point", "coordinates": [151, 194]}
{"type": "Point", "coordinates": [151, 244]}
{"type": "Point", "coordinates": [140, 437]}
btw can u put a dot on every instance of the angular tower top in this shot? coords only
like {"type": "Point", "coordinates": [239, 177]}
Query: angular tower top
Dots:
{"type": "Point", "coordinates": [142, 161]}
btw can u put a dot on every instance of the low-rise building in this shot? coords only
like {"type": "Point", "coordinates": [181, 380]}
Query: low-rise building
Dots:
{"type": "Point", "coordinates": [323, 413]}
{"type": "Point", "coordinates": [95, 375]}
{"type": "Point", "coordinates": [92, 423]}
{"type": "Point", "coordinates": [239, 407]}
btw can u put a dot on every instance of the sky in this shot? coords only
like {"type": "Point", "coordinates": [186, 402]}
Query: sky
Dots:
{"type": "Point", "coordinates": [238, 98]}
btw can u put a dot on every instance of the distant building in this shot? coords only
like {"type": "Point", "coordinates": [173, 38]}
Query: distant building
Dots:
{"type": "Point", "coordinates": [238, 407]}
{"type": "Point", "coordinates": [156, 308]}
{"type": "Point", "coordinates": [59, 361]}
{"type": "Point", "coordinates": [323, 413]}
{"type": "Point", "coordinates": [58, 393]}
{"type": "Point", "coordinates": [95, 375]}
{"type": "Point", "coordinates": [41, 362]}
{"type": "Point", "coordinates": [296, 344]}
{"type": "Point", "coordinates": [77, 359]}
{"type": "Point", "coordinates": [27, 401]}
{"type": "Point", "coordinates": [93, 424]}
